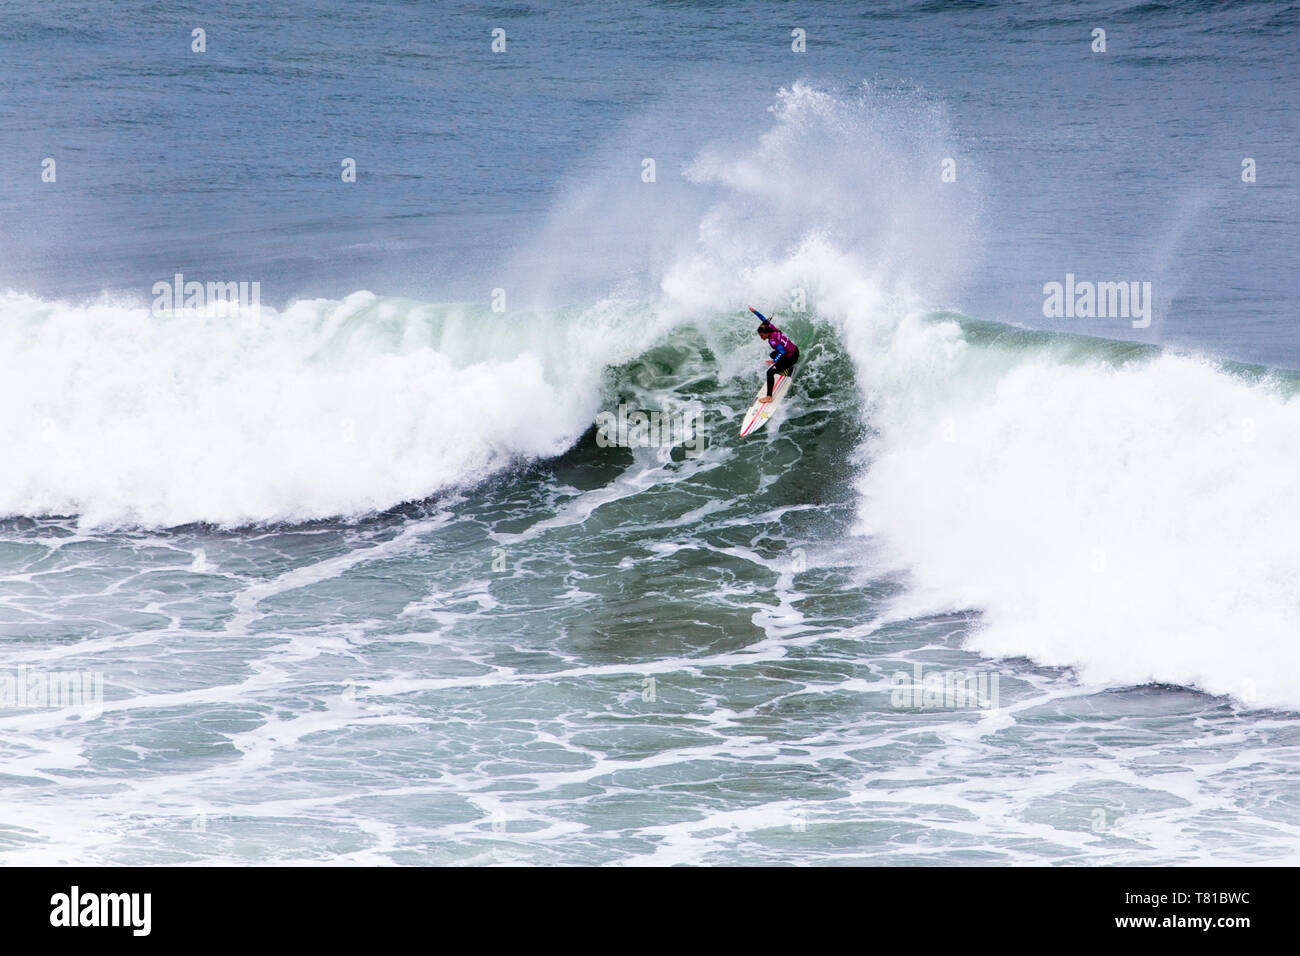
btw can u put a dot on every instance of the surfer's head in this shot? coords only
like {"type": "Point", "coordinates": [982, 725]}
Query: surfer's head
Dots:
{"type": "Point", "coordinates": [764, 331]}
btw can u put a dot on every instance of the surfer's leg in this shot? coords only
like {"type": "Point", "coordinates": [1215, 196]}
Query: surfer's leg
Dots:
{"type": "Point", "coordinates": [781, 367]}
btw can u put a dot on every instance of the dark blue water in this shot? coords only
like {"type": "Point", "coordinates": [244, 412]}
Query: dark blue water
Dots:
{"type": "Point", "coordinates": [1123, 164]}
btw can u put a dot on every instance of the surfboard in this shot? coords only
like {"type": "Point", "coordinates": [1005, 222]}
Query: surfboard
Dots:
{"type": "Point", "coordinates": [760, 412]}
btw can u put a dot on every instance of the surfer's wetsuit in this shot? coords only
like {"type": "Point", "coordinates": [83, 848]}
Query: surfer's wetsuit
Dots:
{"type": "Point", "coordinates": [784, 352]}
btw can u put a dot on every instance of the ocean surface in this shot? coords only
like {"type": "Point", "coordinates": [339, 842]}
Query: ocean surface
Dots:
{"type": "Point", "coordinates": [355, 575]}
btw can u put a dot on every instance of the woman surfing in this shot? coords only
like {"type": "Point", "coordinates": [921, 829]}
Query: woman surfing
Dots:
{"type": "Point", "coordinates": [783, 355]}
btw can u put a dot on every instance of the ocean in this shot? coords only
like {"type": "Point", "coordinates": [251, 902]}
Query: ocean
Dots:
{"type": "Point", "coordinates": [443, 547]}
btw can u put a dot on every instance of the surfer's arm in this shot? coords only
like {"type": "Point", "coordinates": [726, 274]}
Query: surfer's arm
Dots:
{"type": "Point", "coordinates": [761, 317]}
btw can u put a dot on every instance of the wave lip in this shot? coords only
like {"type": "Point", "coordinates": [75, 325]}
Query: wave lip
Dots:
{"type": "Point", "coordinates": [327, 408]}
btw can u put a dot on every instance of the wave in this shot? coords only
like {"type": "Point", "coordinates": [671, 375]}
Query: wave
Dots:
{"type": "Point", "coordinates": [1123, 511]}
{"type": "Point", "coordinates": [327, 408]}
{"type": "Point", "coordinates": [340, 408]}
{"type": "Point", "coordinates": [1116, 508]}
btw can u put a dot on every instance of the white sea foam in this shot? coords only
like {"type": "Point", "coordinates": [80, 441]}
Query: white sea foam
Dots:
{"type": "Point", "coordinates": [326, 408]}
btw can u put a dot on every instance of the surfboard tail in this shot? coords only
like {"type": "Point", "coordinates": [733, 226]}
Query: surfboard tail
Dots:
{"type": "Point", "coordinates": [761, 412]}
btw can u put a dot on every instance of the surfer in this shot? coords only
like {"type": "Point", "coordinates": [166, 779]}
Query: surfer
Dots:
{"type": "Point", "coordinates": [783, 355]}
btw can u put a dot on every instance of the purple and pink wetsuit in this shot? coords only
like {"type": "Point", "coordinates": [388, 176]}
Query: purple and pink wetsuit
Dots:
{"type": "Point", "coordinates": [784, 352]}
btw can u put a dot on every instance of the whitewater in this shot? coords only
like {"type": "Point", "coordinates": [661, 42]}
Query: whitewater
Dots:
{"type": "Point", "coordinates": [362, 586]}
{"type": "Point", "coordinates": [1106, 511]}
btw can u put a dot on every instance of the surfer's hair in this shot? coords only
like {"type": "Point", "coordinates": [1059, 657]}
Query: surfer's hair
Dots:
{"type": "Point", "coordinates": [764, 328]}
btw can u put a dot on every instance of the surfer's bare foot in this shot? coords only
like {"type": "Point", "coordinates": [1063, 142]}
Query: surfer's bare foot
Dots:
{"type": "Point", "coordinates": [765, 399]}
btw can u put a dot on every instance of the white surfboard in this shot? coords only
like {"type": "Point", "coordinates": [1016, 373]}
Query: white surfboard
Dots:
{"type": "Point", "coordinates": [760, 412]}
